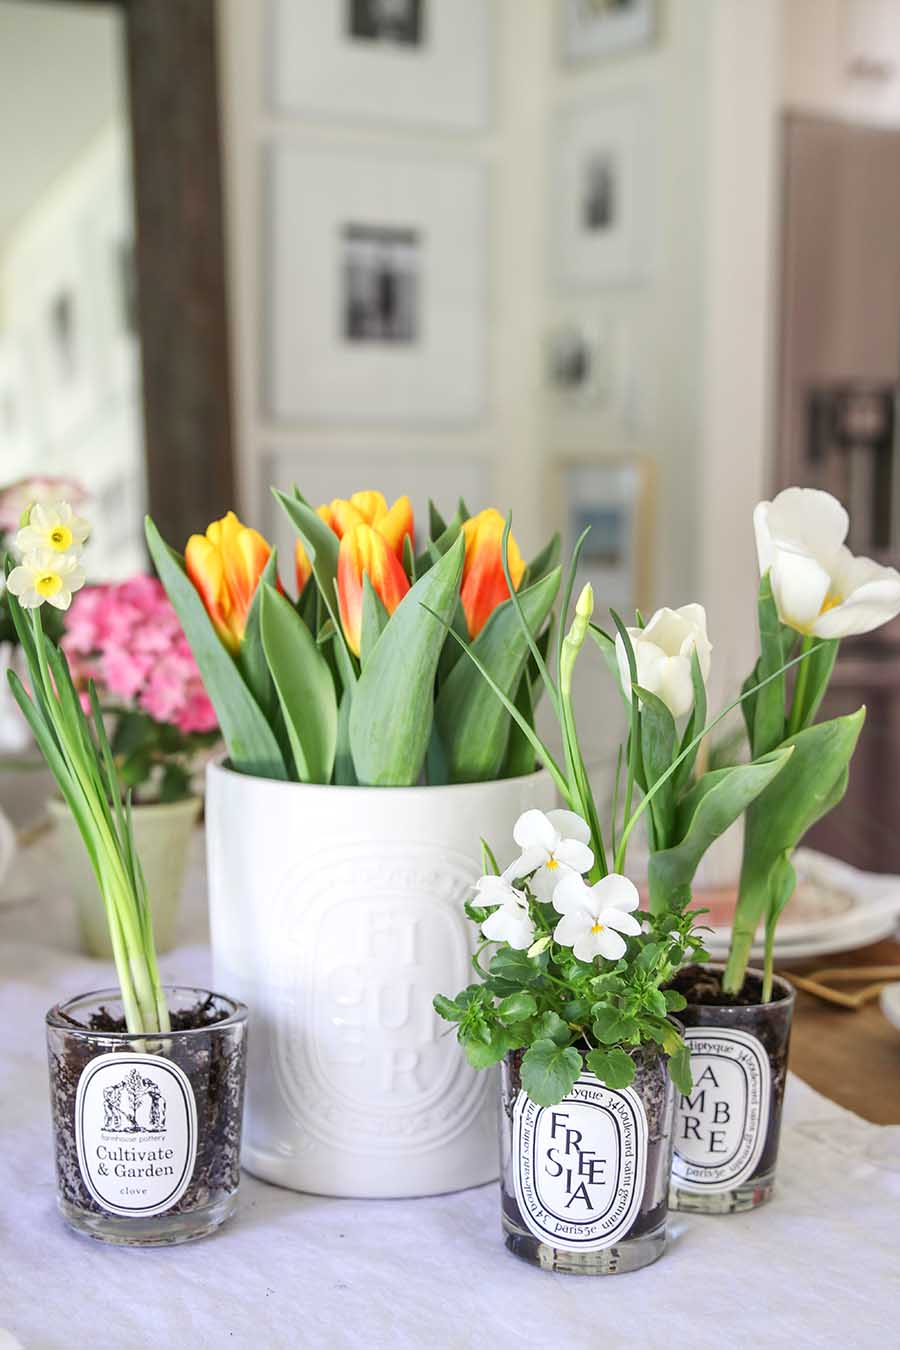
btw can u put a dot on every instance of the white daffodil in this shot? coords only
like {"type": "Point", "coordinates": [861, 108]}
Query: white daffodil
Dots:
{"type": "Point", "coordinates": [54, 527]}
{"type": "Point", "coordinates": [43, 575]}
{"type": "Point", "coordinates": [594, 917]}
{"type": "Point", "coordinates": [662, 652]}
{"type": "Point", "coordinates": [553, 845]}
{"type": "Point", "coordinates": [820, 588]}
{"type": "Point", "coordinates": [510, 922]}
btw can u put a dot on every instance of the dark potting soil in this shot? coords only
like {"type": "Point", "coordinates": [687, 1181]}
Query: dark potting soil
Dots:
{"type": "Point", "coordinates": [652, 1086]}
{"type": "Point", "coordinates": [700, 985]}
{"type": "Point", "coordinates": [214, 1066]}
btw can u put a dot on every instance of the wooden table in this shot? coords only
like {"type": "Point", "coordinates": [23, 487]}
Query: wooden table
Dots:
{"type": "Point", "coordinates": [853, 1057]}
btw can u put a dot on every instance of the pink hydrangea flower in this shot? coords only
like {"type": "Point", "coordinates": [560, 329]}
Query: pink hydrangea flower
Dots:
{"type": "Point", "coordinates": [128, 639]}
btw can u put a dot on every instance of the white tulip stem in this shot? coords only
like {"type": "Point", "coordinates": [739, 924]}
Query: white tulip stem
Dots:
{"type": "Point", "coordinates": [800, 687]}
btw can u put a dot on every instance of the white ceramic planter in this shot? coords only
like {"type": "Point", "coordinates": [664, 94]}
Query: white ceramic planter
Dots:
{"type": "Point", "coordinates": [336, 915]}
{"type": "Point", "coordinates": [162, 833]}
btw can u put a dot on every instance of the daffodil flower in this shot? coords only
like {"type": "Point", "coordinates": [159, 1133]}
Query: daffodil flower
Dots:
{"type": "Point", "coordinates": [44, 575]}
{"type": "Point", "coordinates": [820, 588]}
{"type": "Point", "coordinates": [594, 917]}
{"type": "Point", "coordinates": [662, 651]}
{"type": "Point", "coordinates": [53, 527]}
{"type": "Point", "coordinates": [553, 845]}
{"type": "Point", "coordinates": [510, 921]}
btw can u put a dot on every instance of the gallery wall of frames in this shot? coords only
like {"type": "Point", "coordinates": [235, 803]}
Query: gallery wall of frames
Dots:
{"type": "Point", "coordinates": [445, 221]}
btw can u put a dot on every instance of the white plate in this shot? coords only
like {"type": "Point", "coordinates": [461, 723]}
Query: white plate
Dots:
{"type": "Point", "coordinates": [890, 1003]}
{"type": "Point", "coordinates": [837, 908]}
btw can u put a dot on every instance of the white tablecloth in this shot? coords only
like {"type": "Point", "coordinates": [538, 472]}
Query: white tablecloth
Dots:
{"type": "Point", "coordinates": [818, 1267]}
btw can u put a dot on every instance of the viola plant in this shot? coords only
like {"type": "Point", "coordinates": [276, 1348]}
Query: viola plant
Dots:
{"type": "Point", "coordinates": [77, 750]}
{"type": "Point", "coordinates": [813, 593]}
{"type": "Point", "coordinates": [354, 680]}
{"type": "Point", "coordinates": [127, 639]}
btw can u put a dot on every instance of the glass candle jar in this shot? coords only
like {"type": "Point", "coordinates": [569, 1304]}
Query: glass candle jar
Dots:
{"type": "Point", "coordinates": [584, 1184]}
{"type": "Point", "coordinates": [727, 1129]}
{"type": "Point", "coordinates": [147, 1128]}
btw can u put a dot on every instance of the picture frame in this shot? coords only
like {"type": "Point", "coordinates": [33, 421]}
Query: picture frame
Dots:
{"type": "Point", "coordinates": [376, 302]}
{"type": "Point", "coordinates": [586, 364]}
{"type": "Point", "coordinates": [602, 222]}
{"type": "Point", "coordinates": [615, 497]}
{"type": "Point", "coordinates": [593, 30]}
{"type": "Point", "coordinates": [322, 474]}
{"type": "Point", "coordinates": [410, 62]}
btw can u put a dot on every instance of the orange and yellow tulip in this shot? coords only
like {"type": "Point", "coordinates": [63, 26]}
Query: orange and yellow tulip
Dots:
{"type": "Point", "coordinates": [483, 583]}
{"type": "Point", "coordinates": [363, 508]}
{"type": "Point", "coordinates": [364, 552]}
{"type": "Point", "coordinates": [225, 565]}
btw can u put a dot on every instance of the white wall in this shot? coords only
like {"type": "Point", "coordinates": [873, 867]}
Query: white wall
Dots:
{"type": "Point", "coordinates": [842, 59]}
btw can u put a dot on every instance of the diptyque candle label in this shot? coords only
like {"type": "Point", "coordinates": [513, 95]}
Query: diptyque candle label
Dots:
{"type": "Point", "coordinates": [579, 1167]}
{"type": "Point", "coordinates": [720, 1125]}
{"type": "Point", "coordinates": [136, 1130]}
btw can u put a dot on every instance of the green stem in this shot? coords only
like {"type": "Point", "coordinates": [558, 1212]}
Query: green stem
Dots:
{"type": "Point", "coordinates": [769, 962]}
{"type": "Point", "coordinates": [799, 697]}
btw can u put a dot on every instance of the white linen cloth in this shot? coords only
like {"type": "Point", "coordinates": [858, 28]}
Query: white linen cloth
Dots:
{"type": "Point", "coordinates": [817, 1267]}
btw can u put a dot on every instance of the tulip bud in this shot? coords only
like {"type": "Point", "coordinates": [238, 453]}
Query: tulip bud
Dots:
{"type": "Point", "coordinates": [225, 565]}
{"type": "Point", "coordinates": [483, 582]}
{"type": "Point", "coordinates": [663, 652]}
{"type": "Point", "coordinates": [395, 525]}
{"type": "Point", "coordinates": [364, 551]}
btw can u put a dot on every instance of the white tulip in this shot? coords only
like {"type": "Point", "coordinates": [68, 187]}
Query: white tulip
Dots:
{"type": "Point", "coordinates": [553, 845]}
{"type": "Point", "coordinates": [820, 588]}
{"type": "Point", "coordinates": [594, 917]}
{"type": "Point", "coordinates": [663, 651]}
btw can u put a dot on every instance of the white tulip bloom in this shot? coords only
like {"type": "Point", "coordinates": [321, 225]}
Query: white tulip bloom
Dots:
{"type": "Point", "coordinates": [43, 575]}
{"type": "Point", "coordinates": [662, 652]}
{"type": "Point", "coordinates": [553, 845]}
{"type": "Point", "coordinates": [54, 527]}
{"type": "Point", "coordinates": [820, 588]}
{"type": "Point", "coordinates": [594, 917]}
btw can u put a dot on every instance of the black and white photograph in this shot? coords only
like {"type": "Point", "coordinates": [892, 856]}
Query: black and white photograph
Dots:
{"type": "Point", "coordinates": [598, 198]}
{"type": "Point", "coordinates": [410, 63]}
{"type": "Point", "coordinates": [594, 29]}
{"type": "Point", "coordinates": [381, 283]}
{"type": "Point", "coordinates": [392, 21]}
{"type": "Point", "coordinates": [601, 212]}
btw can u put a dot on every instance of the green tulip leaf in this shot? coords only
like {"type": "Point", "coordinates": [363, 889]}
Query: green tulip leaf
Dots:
{"type": "Point", "coordinates": [473, 723]}
{"type": "Point", "coordinates": [321, 544]}
{"type": "Point", "coordinates": [393, 703]}
{"type": "Point", "coordinates": [252, 746]}
{"type": "Point", "coordinates": [711, 806]}
{"type": "Point", "coordinates": [304, 685]}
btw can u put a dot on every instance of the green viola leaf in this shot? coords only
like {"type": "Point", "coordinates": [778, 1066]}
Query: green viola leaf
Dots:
{"type": "Point", "coordinates": [705, 812]}
{"type": "Point", "coordinates": [473, 723]}
{"type": "Point", "coordinates": [550, 1071]}
{"type": "Point", "coordinates": [611, 1026]}
{"type": "Point", "coordinates": [252, 746]}
{"type": "Point", "coordinates": [393, 703]}
{"type": "Point", "coordinates": [447, 1008]}
{"type": "Point", "coordinates": [674, 1001]}
{"type": "Point", "coordinates": [516, 1007]}
{"type": "Point", "coordinates": [615, 1068]}
{"type": "Point", "coordinates": [551, 1027]}
{"type": "Point", "coordinates": [483, 1055]}
{"type": "Point", "coordinates": [304, 686]}
{"type": "Point", "coordinates": [680, 1070]}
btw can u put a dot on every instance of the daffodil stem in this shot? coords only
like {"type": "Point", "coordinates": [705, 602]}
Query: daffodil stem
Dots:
{"type": "Point", "coordinates": [798, 700]}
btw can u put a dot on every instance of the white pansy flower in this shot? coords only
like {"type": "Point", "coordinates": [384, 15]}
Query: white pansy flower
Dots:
{"type": "Point", "coordinates": [553, 845]}
{"type": "Point", "coordinates": [663, 651]}
{"type": "Point", "coordinates": [510, 923]}
{"type": "Point", "coordinates": [820, 588]}
{"type": "Point", "coordinates": [54, 527]}
{"type": "Point", "coordinates": [594, 917]}
{"type": "Point", "coordinates": [43, 575]}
